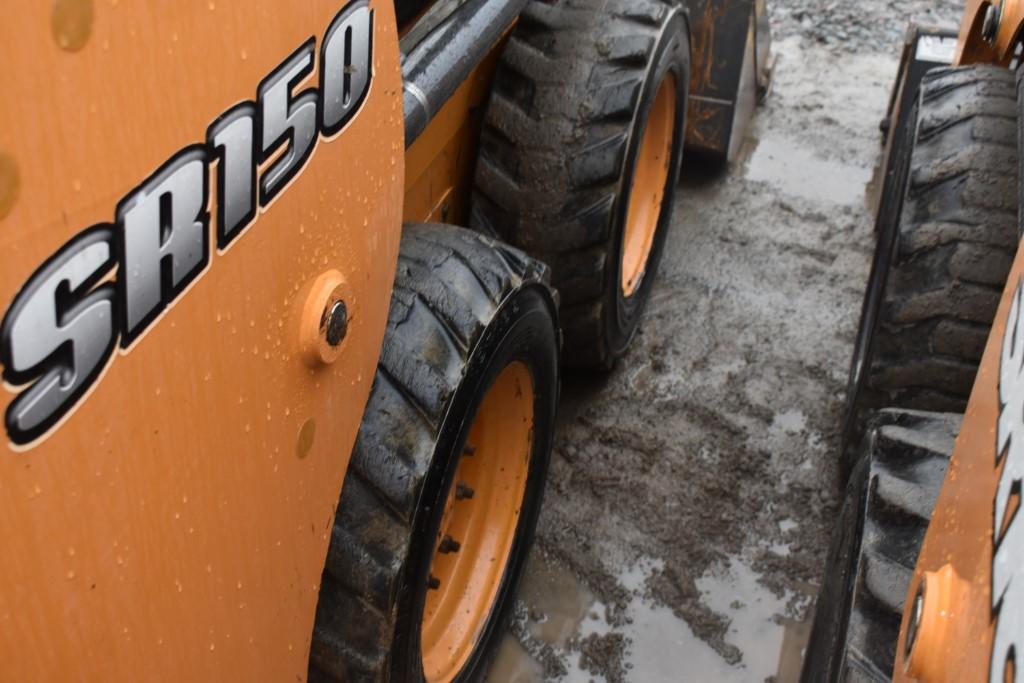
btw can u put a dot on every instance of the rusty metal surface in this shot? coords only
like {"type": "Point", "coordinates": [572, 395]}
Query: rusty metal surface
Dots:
{"type": "Point", "coordinates": [729, 40]}
{"type": "Point", "coordinates": [719, 29]}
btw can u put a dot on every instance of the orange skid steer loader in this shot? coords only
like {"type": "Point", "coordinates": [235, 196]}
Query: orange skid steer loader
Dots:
{"type": "Point", "coordinates": [926, 562]}
{"type": "Point", "coordinates": [268, 414]}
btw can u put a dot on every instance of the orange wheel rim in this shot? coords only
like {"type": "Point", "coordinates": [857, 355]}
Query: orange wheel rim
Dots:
{"type": "Point", "coordinates": [648, 187]}
{"type": "Point", "coordinates": [478, 525]}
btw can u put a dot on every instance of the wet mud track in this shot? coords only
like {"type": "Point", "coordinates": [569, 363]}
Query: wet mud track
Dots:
{"type": "Point", "coordinates": [692, 490]}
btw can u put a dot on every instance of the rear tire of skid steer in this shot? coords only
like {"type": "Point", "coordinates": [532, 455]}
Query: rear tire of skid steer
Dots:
{"type": "Point", "coordinates": [406, 10]}
{"type": "Point", "coordinates": [447, 474]}
{"type": "Point", "coordinates": [947, 232]}
{"type": "Point", "coordinates": [882, 523]}
{"type": "Point", "coordinates": [580, 153]}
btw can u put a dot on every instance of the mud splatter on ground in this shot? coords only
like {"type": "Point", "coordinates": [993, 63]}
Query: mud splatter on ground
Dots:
{"type": "Point", "coordinates": [868, 25]}
{"type": "Point", "coordinates": [692, 491]}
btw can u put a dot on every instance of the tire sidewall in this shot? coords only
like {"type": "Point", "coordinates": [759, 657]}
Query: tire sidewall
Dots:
{"type": "Point", "coordinates": [826, 646]}
{"type": "Point", "coordinates": [622, 313]}
{"type": "Point", "coordinates": [524, 329]}
{"type": "Point", "coordinates": [888, 223]}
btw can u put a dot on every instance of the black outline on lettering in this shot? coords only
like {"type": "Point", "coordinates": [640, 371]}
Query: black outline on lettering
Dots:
{"type": "Point", "coordinates": [1013, 329]}
{"type": "Point", "coordinates": [358, 104]}
{"type": "Point", "coordinates": [168, 292]}
{"type": "Point", "coordinates": [216, 153]}
{"type": "Point", "coordinates": [84, 294]}
{"type": "Point", "coordinates": [206, 152]}
{"type": "Point", "coordinates": [261, 155]}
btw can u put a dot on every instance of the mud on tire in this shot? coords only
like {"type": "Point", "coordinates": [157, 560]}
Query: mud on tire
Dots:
{"type": "Point", "coordinates": [882, 523]}
{"type": "Point", "coordinates": [947, 237]}
{"type": "Point", "coordinates": [559, 147]}
{"type": "Point", "coordinates": [464, 308]}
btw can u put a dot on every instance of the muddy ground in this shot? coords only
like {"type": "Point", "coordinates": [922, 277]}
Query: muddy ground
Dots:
{"type": "Point", "coordinates": [692, 491]}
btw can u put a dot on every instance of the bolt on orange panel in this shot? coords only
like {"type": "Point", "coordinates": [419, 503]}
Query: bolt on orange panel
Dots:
{"type": "Point", "coordinates": [187, 192]}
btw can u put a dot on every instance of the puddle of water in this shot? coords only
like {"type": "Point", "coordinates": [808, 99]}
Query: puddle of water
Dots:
{"type": "Point", "coordinates": [791, 656]}
{"type": "Point", "coordinates": [873, 190]}
{"type": "Point", "coordinates": [513, 664]}
{"type": "Point", "coordinates": [562, 602]}
{"type": "Point", "coordinates": [662, 647]}
{"type": "Point", "coordinates": [754, 614]}
{"type": "Point", "coordinates": [796, 170]}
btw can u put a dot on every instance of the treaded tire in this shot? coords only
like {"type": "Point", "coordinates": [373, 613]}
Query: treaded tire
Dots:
{"type": "Point", "coordinates": [406, 10]}
{"type": "Point", "coordinates": [947, 233]}
{"type": "Point", "coordinates": [558, 149]}
{"type": "Point", "coordinates": [463, 308]}
{"type": "Point", "coordinates": [882, 523]}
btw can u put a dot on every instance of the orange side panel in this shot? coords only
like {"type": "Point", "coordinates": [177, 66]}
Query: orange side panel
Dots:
{"type": "Point", "coordinates": [960, 533]}
{"type": "Point", "coordinates": [439, 166]}
{"type": "Point", "coordinates": [174, 526]}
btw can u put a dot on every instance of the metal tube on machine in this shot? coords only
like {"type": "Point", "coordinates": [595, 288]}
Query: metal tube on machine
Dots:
{"type": "Point", "coordinates": [439, 62]}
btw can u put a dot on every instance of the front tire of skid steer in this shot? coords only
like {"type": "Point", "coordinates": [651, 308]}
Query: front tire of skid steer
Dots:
{"type": "Point", "coordinates": [440, 503]}
{"type": "Point", "coordinates": [947, 231]}
{"type": "Point", "coordinates": [580, 155]}
{"type": "Point", "coordinates": [882, 523]}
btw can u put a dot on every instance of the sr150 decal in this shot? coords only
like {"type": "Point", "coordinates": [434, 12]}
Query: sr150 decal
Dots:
{"type": "Point", "coordinates": [1007, 528]}
{"type": "Point", "coordinates": [66, 321]}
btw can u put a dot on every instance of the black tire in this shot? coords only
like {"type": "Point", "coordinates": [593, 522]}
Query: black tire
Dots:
{"type": "Point", "coordinates": [464, 307]}
{"type": "Point", "coordinates": [406, 10]}
{"type": "Point", "coordinates": [947, 232]}
{"type": "Point", "coordinates": [875, 545]}
{"type": "Point", "coordinates": [558, 149]}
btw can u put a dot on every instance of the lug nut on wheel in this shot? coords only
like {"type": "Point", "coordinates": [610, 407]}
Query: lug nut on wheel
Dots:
{"type": "Point", "coordinates": [449, 545]}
